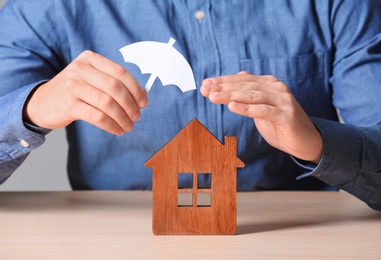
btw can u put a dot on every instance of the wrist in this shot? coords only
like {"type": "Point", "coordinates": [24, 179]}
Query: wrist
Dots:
{"type": "Point", "coordinates": [27, 109]}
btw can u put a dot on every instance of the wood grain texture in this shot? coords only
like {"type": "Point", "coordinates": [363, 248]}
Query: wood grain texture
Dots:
{"type": "Point", "coordinates": [195, 150]}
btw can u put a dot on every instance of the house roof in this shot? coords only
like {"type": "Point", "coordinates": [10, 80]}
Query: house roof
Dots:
{"type": "Point", "coordinates": [196, 143]}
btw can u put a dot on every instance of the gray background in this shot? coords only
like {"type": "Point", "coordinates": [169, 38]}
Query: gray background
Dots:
{"type": "Point", "coordinates": [45, 168]}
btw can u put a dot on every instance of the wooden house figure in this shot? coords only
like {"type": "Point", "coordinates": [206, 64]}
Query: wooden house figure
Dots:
{"type": "Point", "coordinates": [206, 204]}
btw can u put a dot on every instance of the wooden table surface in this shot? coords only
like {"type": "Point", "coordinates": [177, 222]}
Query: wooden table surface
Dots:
{"type": "Point", "coordinates": [118, 225]}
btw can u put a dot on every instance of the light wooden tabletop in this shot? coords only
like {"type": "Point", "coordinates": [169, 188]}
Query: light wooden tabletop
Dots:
{"type": "Point", "coordinates": [118, 225]}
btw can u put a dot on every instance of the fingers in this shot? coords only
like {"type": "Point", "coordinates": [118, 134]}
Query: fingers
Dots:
{"type": "Point", "coordinates": [117, 73]}
{"type": "Point", "coordinates": [113, 90]}
{"type": "Point", "coordinates": [97, 118]}
{"type": "Point", "coordinates": [103, 105]}
{"type": "Point", "coordinates": [277, 115]}
{"type": "Point", "coordinates": [262, 111]}
{"type": "Point", "coordinates": [235, 82]}
{"type": "Point", "coordinates": [243, 88]}
{"type": "Point", "coordinates": [241, 79]}
{"type": "Point", "coordinates": [244, 76]}
{"type": "Point", "coordinates": [263, 97]}
{"type": "Point", "coordinates": [91, 88]}
{"type": "Point", "coordinates": [108, 90]}
{"type": "Point", "coordinates": [246, 95]}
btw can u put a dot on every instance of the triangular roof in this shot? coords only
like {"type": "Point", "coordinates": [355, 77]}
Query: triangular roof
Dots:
{"type": "Point", "coordinates": [196, 141]}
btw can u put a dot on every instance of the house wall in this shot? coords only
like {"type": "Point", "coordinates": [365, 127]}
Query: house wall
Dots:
{"type": "Point", "coordinates": [195, 150]}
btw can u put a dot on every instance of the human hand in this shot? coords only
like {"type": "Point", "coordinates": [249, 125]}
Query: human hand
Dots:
{"type": "Point", "coordinates": [277, 115]}
{"type": "Point", "coordinates": [92, 88]}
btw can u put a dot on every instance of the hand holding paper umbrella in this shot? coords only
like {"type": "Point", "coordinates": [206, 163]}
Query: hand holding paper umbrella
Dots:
{"type": "Point", "coordinates": [161, 60]}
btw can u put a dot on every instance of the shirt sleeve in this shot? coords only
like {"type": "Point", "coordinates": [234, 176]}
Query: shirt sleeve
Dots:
{"type": "Point", "coordinates": [350, 160]}
{"type": "Point", "coordinates": [17, 139]}
{"type": "Point", "coordinates": [27, 59]}
{"type": "Point", "coordinates": [352, 151]}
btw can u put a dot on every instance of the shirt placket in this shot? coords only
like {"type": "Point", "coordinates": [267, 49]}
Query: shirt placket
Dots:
{"type": "Point", "coordinates": [206, 63]}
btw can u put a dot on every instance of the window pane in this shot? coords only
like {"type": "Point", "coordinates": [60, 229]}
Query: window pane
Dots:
{"type": "Point", "coordinates": [185, 199]}
{"type": "Point", "coordinates": [204, 181]}
{"type": "Point", "coordinates": [204, 199]}
{"type": "Point", "coordinates": [185, 181]}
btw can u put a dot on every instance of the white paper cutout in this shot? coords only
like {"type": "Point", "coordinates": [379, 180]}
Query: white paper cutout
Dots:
{"type": "Point", "coordinates": [162, 60]}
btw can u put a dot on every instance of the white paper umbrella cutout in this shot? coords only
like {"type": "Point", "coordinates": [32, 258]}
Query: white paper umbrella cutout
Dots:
{"type": "Point", "coordinates": [162, 60]}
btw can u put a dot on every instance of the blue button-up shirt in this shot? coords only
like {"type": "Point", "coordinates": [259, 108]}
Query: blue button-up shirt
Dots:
{"type": "Point", "coordinates": [327, 52]}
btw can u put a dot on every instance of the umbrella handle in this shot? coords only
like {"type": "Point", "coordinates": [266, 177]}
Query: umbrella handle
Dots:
{"type": "Point", "coordinates": [149, 83]}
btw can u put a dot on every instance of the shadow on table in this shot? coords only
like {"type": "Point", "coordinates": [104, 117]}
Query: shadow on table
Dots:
{"type": "Point", "coordinates": [244, 229]}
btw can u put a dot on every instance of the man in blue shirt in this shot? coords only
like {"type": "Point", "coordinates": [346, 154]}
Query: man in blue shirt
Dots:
{"type": "Point", "coordinates": [273, 73]}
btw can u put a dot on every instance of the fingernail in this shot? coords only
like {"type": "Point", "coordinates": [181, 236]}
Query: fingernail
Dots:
{"type": "Point", "coordinates": [207, 82]}
{"type": "Point", "coordinates": [142, 103]}
{"type": "Point", "coordinates": [136, 116]}
{"type": "Point", "coordinates": [207, 87]}
{"type": "Point", "coordinates": [129, 127]}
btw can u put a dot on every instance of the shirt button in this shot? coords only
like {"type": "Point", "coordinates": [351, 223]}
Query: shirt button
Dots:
{"type": "Point", "coordinates": [200, 15]}
{"type": "Point", "coordinates": [23, 143]}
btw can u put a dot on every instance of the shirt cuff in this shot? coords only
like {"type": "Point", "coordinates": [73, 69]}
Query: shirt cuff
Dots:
{"type": "Point", "coordinates": [340, 158]}
{"type": "Point", "coordinates": [18, 138]}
